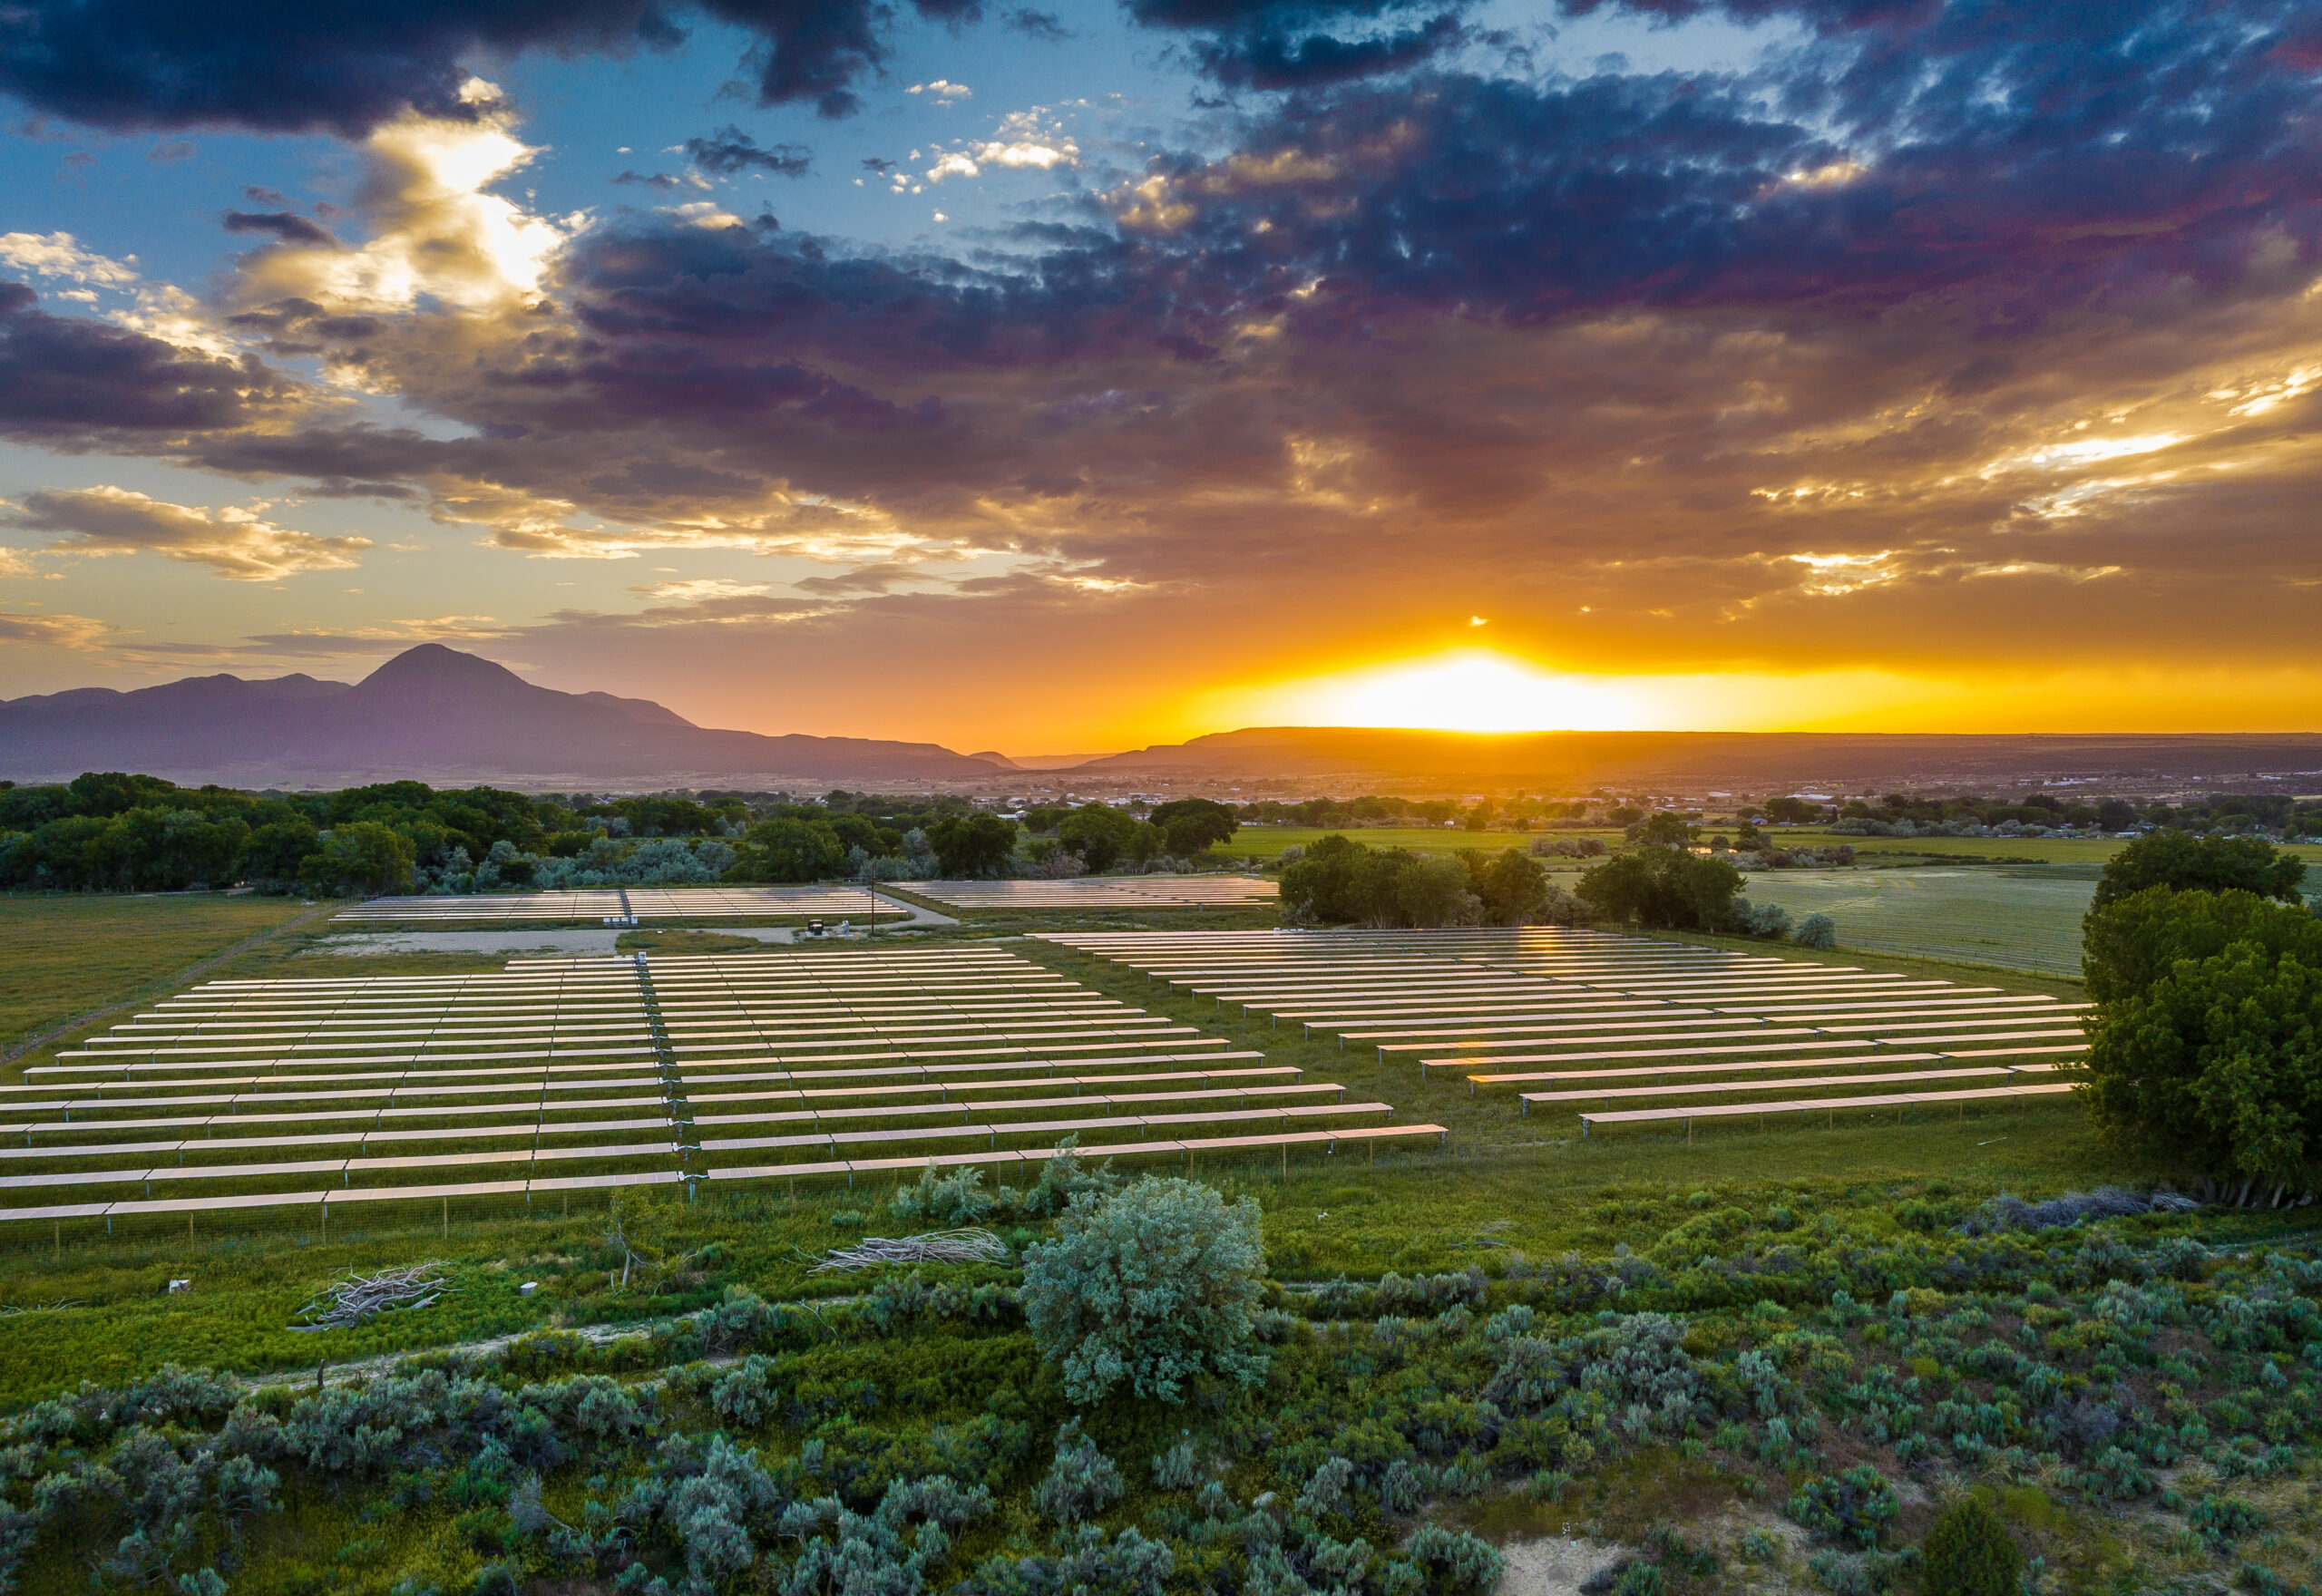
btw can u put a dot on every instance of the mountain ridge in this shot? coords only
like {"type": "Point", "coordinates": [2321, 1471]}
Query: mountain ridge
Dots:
{"type": "Point", "coordinates": [1754, 760]}
{"type": "Point", "coordinates": [431, 713]}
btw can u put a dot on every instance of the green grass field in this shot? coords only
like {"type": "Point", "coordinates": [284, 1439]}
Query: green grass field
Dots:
{"type": "Point", "coordinates": [68, 953]}
{"type": "Point", "coordinates": [2093, 851]}
{"type": "Point", "coordinates": [2013, 917]}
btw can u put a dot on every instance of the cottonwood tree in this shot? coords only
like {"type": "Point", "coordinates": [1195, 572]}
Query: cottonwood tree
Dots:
{"type": "Point", "coordinates": [972, 845]}
{"type": "Point", "coordinates": [2208, 864]}
{"type": "Point", "coordinates": [2206, 1048]}
{"type": "Point", "coordinates": [1664, 887]}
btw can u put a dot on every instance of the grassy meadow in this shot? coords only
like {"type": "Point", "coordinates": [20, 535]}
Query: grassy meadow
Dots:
{"type": "Point", "coordinates": [72, 952]}
{"type": "Point", "coordinates": [2023, 917]}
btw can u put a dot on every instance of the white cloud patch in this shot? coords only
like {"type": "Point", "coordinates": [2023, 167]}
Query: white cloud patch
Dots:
{"type": "Point", "coordinates": [233, 542]}
{"type": "Point", "coordinates": [941, 90]}
{"type": "Point", "coordinates": [1025, 141]}
{"type": "Point", "coordinates": [60, 255]}
{"type": "Point", "coordinates": [435, 232]}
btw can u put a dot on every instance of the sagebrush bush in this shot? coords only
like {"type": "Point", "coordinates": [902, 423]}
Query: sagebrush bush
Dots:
{"type": "Point", "coordinates": [1081, 1482]}
{"type": "Point", "coordinates": [1455, 1560]}
{"type": "Point", "coordinates": [946, 1200]}
{"type": "Point", "coordinates": [1969, 1553]}
{"type": "Point", "coordinates": [1853, 1508]}
{"type": "Point", "coordinates": [1179, 1468]}
{"type": "Point", "coordinates": [1148, 1287]}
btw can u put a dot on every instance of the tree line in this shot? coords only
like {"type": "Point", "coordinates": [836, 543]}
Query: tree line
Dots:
{"type": "Point", "coordinates": [1663, 885]}
{"type": "Point", "coordinates": [116, 832]}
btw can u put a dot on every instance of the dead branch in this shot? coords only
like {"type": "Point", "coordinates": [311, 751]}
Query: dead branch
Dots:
{"type": "Point", "coordinates": [348, 1302]}
{"type": "Point", "coordinates": [969, 1246]}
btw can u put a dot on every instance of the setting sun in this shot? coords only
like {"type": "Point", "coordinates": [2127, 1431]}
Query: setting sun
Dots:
{"type": "Point", "coordinates": [1473, 690]}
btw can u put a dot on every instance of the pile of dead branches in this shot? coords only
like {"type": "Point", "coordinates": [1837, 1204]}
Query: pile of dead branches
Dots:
{"type": "Point", "coordinates": [970, 1246]}
{"type": "Point", "coordinates": [348, 1302]}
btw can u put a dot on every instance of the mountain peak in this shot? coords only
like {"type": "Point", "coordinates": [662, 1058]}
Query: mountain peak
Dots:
{"type": "Point", "coordinates": [432, 668]}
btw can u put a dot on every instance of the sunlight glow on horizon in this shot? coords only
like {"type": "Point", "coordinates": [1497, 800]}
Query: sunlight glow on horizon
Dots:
{"type": "Point", "coordinates": [1485, 690]}
{"type": "Point", "coordinates": [1471, 690]}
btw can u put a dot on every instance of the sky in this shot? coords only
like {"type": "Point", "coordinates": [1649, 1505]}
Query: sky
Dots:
{"type": "Point", "coordinates": [1059, 381]}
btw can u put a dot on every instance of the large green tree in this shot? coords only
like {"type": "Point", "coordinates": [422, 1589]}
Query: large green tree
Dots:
{"type": "Point", "coordinates": [2206, 1048]}
{"type": "Point", "coordinates": [1665, 888]}
{"type": "Point", "coordinates": [2206, 864]}
{"type": "Point", "coordinates": [361, 856]}
{"type": "Point", "coordinates": [972, 845]}
{"type": "Point", "coordinates": [1513, 886]}
{"type": "Point", "coordinates": [1339, 881]}
{"type": "Point", "coordinates": [1194, 825]}
{"type": "Point", "coordinates": [787, 850]}
{"type": "Point", "coordinates": [1098, 832]}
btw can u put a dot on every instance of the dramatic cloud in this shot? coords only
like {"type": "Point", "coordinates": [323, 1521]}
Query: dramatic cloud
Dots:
{"type": "Point", "coordinates": [1929, 336]}
{"type": "Point", "coordinates": [232, 542]}
{"type": "Point", "coordinates": [286, 66]}
{"type": "Point", "coordinates": [75, 384]}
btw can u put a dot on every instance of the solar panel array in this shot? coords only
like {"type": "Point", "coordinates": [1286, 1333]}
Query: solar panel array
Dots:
{"type": "Point", "coordinates": [1591, 1016]}
{"type": "Point", "coordinates": [1158, 892]}
{"type": "Point", "coordinates": [598, 905]}
{"type": "Point", "coordinates": [595, 1074]}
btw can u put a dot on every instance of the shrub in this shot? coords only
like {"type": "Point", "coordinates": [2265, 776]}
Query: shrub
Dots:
{"type": "Point", "coordinates": [2224, 1520]}
{"type": "Point", "coordinates": [1081, 1482]}
{"type": "Point", "coordinates": [1325, 1493]}
{"type": "Point", "coordinates": [1969, 1553]}
{"type": "Point", "coordinates": [1453, 1560]}
{"type": "Point", "coordinates": [1179, 1468]}
{"type": "Point", "coordinates": [1769, 921]}
{"type": "Point", "coordinates": [1855, 1508]}
{"type": "Point", "coordinates": [744, 1396]}
{"type": "Point", "coordinates": [1817, 930]}
{"type": "Point", "coordinates": [1150, 1286]}
{"type": "Point", "coordinates": [952, 1200]}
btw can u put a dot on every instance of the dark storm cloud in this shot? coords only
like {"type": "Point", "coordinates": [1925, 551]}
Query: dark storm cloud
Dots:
{"type": "Point", "coordinates": [729, 150]}
{"type": "Point", "coordinates": [73, 383]}
{"type": "Point", "coordinates": [288, 226]}
{"type": "Point", "coordinates": [2175, 153]}
{"type": "Point", "coordinates": [288, 65]}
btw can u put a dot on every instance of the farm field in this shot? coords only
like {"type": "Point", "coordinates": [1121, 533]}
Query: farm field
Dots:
{"type": "Point", "coordinates": [2090, 850]}
{"type": "Point", "coordinates": [1265, 843]}
{"type": "Point", "coordinates": [72, 952]}
{"type": "Point", "coordinates": [2013, 917]}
